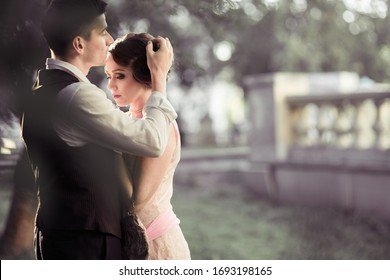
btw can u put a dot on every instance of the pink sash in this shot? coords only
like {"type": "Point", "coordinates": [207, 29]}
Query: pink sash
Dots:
{"type": "Point", "coordinates": [162, 224]}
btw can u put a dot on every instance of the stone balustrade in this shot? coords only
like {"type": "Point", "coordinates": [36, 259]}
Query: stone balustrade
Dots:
{"type": "Point", "coordinates": [317, 139]}
{"type": "Point", "coordinates": [342, 127]}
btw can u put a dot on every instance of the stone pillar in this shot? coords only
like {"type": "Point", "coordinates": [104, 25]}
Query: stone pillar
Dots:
{"type": "Point", "coordinates": [269, 136]}
{"type": "Point", "coordinates": [261, 137]}
{"type": "Point", "coordinates": [270, 132]}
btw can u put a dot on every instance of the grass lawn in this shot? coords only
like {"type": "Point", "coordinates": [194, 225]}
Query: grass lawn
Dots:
{"type": "Point", "coordinates": [225, 223]}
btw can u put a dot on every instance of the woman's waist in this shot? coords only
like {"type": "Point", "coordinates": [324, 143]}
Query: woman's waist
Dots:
{"type": "Point", "coordinates": [161, 224]}
{"type": "Point", "coordinates": [148, 213]}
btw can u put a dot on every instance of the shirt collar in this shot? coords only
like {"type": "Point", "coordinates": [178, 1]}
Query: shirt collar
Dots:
{"type": "Point", "coordinates": [67, 67]}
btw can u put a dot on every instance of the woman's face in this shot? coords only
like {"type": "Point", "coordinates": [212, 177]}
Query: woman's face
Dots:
{"type": "Point", "coordinates": [124, 88]}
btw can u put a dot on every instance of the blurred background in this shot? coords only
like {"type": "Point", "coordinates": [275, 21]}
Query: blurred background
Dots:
{"type": "Point", "coordinates": [285, 118]}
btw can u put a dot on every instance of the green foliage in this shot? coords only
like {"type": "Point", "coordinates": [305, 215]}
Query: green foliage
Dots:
{"type": "Point", "coordinates": [267, 36]}
{"type": "Point", "coordinates": [22, 51]}
{"type": "Point", "coordinates": [318, 38]}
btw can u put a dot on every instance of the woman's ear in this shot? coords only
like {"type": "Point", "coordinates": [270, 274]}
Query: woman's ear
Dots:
{"type": "Point", "coordinates": [78, 44]}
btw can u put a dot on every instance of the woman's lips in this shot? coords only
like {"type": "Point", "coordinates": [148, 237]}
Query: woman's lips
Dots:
{"type": "Point", "coordinates": [116, 96]}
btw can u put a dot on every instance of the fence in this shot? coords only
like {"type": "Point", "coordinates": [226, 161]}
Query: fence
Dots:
{"type": "Point", "coordinates": [316, 145]}
{"type": "Point", "coordinates": [353, 128]}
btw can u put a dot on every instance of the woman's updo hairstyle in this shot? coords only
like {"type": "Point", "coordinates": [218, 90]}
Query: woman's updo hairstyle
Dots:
{"type": "Point", "coordinates": [130, 51]}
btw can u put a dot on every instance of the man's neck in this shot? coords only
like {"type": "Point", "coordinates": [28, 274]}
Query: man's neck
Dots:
{"type": "Point", "coordinates": [74, 61]}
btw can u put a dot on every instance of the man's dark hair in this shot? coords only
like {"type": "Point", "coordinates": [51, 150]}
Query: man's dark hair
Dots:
{"type": "Point", "coordinates": [66, 19]}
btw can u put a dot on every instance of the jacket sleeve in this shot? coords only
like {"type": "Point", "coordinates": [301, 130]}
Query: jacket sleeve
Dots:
{"type": "Point", "coordinates": [92, 117]}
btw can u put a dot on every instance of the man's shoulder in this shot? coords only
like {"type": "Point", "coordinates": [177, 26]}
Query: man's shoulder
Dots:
{"type": "Point", "coordinates": [80, 93]}
{"type": "Point", "coordinates": [54, 79]}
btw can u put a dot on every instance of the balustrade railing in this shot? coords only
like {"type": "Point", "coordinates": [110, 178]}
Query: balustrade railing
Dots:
{"type": "Point", "coordinates": [340, 126]}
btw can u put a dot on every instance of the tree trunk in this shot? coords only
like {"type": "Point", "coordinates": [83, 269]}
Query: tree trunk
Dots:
{"type": "Point", "coordinates": [17, 239]}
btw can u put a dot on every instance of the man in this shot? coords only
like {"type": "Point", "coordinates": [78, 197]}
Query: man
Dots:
{"type": "Point", "coordinates": [73, 135]}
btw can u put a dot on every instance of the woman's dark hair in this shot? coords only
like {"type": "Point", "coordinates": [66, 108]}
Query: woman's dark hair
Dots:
{"type": "Point", "coordinates": [66, 19]}
{"type": "Point", "coordinates": [130, 51]}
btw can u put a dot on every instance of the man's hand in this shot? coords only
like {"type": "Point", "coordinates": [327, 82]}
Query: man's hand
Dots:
{"type": "Point", "coordinates": [159, 62]}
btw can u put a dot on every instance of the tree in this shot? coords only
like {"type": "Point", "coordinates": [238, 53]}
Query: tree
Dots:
{"type": "Point", "coordinates": [18, 64]}
{"type": "Point", "coordinates": [317, 36]}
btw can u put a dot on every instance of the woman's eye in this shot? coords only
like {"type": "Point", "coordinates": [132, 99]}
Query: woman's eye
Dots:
{"type": "Point", "coordinates": [120, 76]}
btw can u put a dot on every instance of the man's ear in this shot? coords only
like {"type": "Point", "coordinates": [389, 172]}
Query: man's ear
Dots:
{"type": "Point", "coordinates": [78, 44]}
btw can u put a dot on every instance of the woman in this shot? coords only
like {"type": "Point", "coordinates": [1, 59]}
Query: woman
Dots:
{"type": "Point", "coordinates": [130, 84]}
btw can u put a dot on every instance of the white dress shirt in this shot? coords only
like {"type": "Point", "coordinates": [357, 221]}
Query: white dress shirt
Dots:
{"type": "Point", "coordinates": [87, 115]}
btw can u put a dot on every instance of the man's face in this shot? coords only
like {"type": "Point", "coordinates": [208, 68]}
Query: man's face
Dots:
{"type": "Point", "coordinates": [96, 47]}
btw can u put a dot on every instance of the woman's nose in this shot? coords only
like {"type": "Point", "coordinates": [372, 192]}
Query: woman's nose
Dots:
{"type": "Point", "coordinates": [111, 84]}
